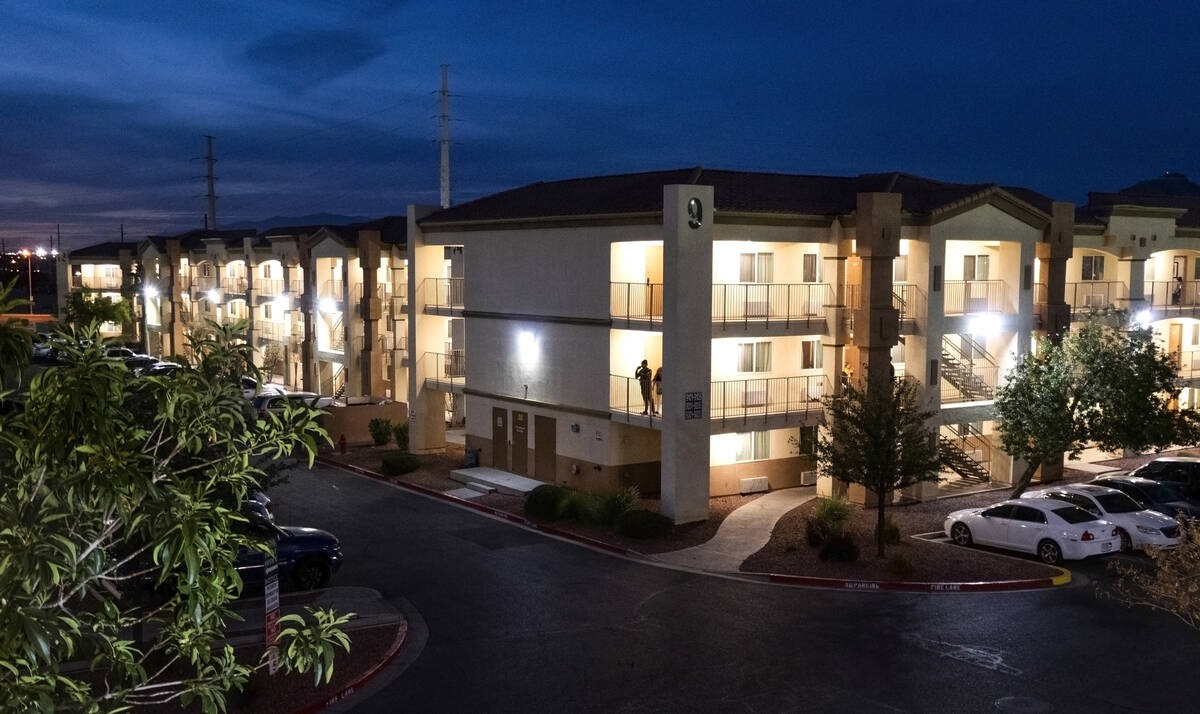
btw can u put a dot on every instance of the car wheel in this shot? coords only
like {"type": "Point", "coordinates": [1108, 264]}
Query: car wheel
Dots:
{"type": "Point", "coordinates": [1126, 541]}
{"type": "Point", "coordinates": [960, 534]}
{"type": "Point", "coordinates": [310, 574]}
{"type": "Point", "coordinates": [1049, 552]}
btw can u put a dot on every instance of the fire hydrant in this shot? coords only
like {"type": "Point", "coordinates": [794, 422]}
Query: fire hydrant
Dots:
{"type": "Point", "coordinates": [342, 444]}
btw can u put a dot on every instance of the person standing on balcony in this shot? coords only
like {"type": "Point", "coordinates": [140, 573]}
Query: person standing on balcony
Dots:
{"type": "Point", "coordinates": [657, 404]}
{"type": "Point", "coordinates": [642, 375]}
{"type": "Point", "coordinates": [1177, 293]}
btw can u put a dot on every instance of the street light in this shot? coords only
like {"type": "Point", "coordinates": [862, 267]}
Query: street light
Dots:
{"type": "Point", "coordinates": [29, 275]}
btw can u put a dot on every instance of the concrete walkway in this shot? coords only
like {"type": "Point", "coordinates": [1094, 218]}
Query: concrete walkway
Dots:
{"type": "Point", "coordinates": [742, 533]}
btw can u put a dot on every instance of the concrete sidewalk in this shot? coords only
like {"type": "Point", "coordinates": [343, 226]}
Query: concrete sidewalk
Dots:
{"type": "Point", "coordinates": [743, 532]}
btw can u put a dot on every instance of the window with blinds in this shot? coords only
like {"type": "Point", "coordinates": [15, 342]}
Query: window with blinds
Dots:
{"type": "Point", "coordinates": [754, 357]}
{"type": "Point", "coordinates": [756, 268]}
{"type": "Point", "coordinates": [810, 354]}
{"type": "Point", "coordinates": [753, 445]}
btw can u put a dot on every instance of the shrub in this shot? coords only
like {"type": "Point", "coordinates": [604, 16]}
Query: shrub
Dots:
{"type": "Point", "coordinates": [612, 504]}
{"type": "Point", "coordinates": [891, 531]}
{"type": "Point", "coordinates": [839, 546]}
{"type": "Point", "coordinates": [899, 566]}
{"type": "Point", "coordinates": [636, 523]}
{"type": "Point", "coordinates": [396, 463]}
{"type": "Point", "coordinates": [577, 506]}
{"type": "Point", "coordinates": [545, 502]}
{"type": "Point", "coordinates": [381, 430]}
{"type": "Point", "coordinates": [828, 518]}
{"type": "Point", "coordinates": [400, 431]}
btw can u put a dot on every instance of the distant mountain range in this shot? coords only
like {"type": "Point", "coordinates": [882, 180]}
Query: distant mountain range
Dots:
{"type": "Point", "coordinates": [312, 219]}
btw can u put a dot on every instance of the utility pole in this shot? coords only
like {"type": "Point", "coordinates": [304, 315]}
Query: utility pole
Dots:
{"type": "Point", "coordinates": [212, 196]}
{"type": "Point", "coordinates": [122, 234]}
{"type": "Point", "coordinates": [444, 119]}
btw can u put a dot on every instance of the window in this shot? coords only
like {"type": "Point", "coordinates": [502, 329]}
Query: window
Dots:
{"type": "Point", "coordinates": [975, 267]}
{"type": "Point", "coordinates": [1004, 511]}
{"type": "Point", "coordinates": [810, 354]}
{"type": "Point", "coordinates": [753, 445]}
{"type": "Point", "coordinates": [266, 308]}
{"type": "Point", "coordinates": [808, 440]}
{"type": "Point", "coordinates": [1029, 515]}
{"type": "Point", "coordinates": [1093, 267]}
{"type": "Point", "coordinates": [756, 268]}
{"type": "Point", "coordinates": [754, 357]}
{"type": "Point", "coordinates": [810, 268]}
{"type": "Point", "coordinates": [1196, 333]}
{"type": "Point", "coordinates": [900, 269]}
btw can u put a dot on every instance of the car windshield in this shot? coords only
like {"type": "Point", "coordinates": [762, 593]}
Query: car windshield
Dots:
{"type": "Point", "coordinates": [1117, 503]}
{"type": "Point", "coordinates": [1160, 492]}
{"type": "Point", "coordinates": [1073, 514]}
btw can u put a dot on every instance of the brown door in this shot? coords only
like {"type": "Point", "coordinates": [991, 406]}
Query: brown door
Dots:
{"type": "Point", "coordinates": [545, 449]}
{"type": "Point", "coordinates": [1175, 341]}
{"type": "Point", "coordinates": [499, 439]}
{"type": "Point", "coordinates": [520, 443]}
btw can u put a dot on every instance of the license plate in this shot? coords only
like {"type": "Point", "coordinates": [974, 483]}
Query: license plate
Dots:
{"type": "Point", "coordinates": [1106, 546]}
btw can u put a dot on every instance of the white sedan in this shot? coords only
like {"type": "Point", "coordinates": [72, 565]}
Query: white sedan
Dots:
{"type": "Point", "coordinates": [1053, 530]}
{"type": "Point", "coordinates": [1139, 528]}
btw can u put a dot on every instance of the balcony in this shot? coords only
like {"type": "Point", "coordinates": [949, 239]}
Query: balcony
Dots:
{"type": "Point", "coordinates": [1188, 362]}
{"type": "Point", "coordinates": [771, 303]}
{"type": "Point", "coordinates": [640, 305]}
{"type": "Point", "coordinates": [443, 371]}
{"type": "Point", "coordinates": [269, 287]}
{"type": "Point", "coordinates": [402, 349]}
{"type": "Point", "coordinates": [1089, 295]}
{"type": "Point", "coordinates": [273, 331]}
{"type": "Point", "coordinates": [399, 298]}
{"type": "Point", "coordinates": [235, 285]}
{"type": "Point", "coordinates": [742, 399]}
{"type": "Point", "coordinates": [97, 282]}
{"type": "Point", "coordinates": [203, 283]}
{"type": "Point", "coordinates": [972, 296]}
{"type": "Point", "coordinates": [442, 296]}
{"type": "Point", "coordinates": [332, 289]}
{"type": "Point", "coordinates": [1174, 297]}
{"type": "Point", "coordinates": [296, 287]}
{"type": "Point", "coordinates": [910, 301]}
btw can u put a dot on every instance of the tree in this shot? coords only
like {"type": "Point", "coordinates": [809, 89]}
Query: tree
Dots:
{"type": "Point", "coordinates": [879, 438]}
{"type": "Point", "coordinates": [1170, 585]}
{"type": "Point", "coordinates": [16, 340]}
{"type": "Point", "coordinates": [111, 484]}
{"type": "Point", "coordinates": [1107, 384]}
{"type": "Point", "coordinates": [84, 309]}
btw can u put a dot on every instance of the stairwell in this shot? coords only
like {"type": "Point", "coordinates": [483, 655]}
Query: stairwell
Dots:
{"type": "Point", "coordinates": [953, 451]}
{"type": "Point", "coordinates": [959, 370]}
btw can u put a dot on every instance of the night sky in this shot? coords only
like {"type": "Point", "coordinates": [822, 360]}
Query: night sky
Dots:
{"type": "Point", "coordinates": [330, 106]}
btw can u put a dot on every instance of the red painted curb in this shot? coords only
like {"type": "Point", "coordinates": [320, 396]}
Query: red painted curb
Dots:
{"type": "Point", "coordinates": [499, 513]}
{"type": "Point", "coordinates": [350, 689]}
{"type": "Point", "coordinates": [920, 587]}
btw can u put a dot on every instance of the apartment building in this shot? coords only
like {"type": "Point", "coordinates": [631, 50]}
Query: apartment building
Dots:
{"type": "Point", "coordinates": [102, 270]}
{"type": "Point", "coordinates": [1139, 249]}
{"type": "Point", "coordinates": [756, 294]}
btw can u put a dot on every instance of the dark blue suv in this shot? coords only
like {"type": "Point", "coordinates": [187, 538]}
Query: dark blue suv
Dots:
{"type": "Point", "coordinates": [307, 557]}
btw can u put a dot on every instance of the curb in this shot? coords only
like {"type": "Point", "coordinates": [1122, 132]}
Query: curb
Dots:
{"type": "Point", "coordinates": [1063, 578]}
{"type": "Point", "coordinates": [498, 513]}
{"type": "Point", "coordinates": [349, 690]}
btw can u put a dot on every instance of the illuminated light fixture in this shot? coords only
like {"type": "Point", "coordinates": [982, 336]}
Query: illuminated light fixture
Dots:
{"type": "Point", "coordinates": [1143, 318]}
{"type": "Point", "coordinates": [41, 252]}
{"type": "Point", "coordinates": [213, 296]}
{"type": "Point", "coordinates": [283, 303]}
{"type": "Point", "coordinates": [327, 305]}
{"type": "Point", "coordinates": [151, 292]}
{"type": "Point", "coordinates": [527, 347]}
{"type": "Point", "coordinates": [983, 325]}
{"type": "Point", "coordinates": [54, 251]}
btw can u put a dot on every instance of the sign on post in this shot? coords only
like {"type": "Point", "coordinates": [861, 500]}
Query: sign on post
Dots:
{"type": "Point", "coordinates": [693, 405]}
{"type": "Point", "coordinates": [271, 604]}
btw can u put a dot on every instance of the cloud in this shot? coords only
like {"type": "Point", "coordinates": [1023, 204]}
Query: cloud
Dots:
{"type": "Point", "coordinates": [302, 59]}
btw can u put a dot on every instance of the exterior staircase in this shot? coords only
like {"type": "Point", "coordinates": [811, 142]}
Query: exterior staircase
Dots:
{"type": "Point", "coordinates": [959, 369]}
{"type": "Point", "coordinates": [955, 457]}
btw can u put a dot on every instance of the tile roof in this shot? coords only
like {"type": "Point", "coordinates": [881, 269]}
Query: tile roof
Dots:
{"type": "Point", "coordinates": [194, 239]}
{"type": "Point", "coordinates": [1101, 204]}
{"type": "Point", "coordinates": [108, 249]}
{"type": "Point", "coordinates": [740, 191]}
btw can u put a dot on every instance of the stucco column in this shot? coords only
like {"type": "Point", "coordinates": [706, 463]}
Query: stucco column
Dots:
{"type": "Point", "coordinates": [687, 350]}
{"type": "Point", "coordinates": [1132, 271]}
{"type": "Point", "coordinates": [1054, 251]}
{"type": "Point", "coordinates": [308, 308]}
{"type": "Point", "coordinates": [426, 335]}
{"type": "Point", "coordinates": [370, 310]}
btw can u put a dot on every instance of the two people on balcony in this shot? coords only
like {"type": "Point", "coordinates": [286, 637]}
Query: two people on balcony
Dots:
{"type": "Point", "coordinates": [642, 374]}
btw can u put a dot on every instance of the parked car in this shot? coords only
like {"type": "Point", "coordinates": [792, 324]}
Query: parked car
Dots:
{"type": "Point", "coordinates": [307, 557]}
{"type": "Point", "coordinates": [251, 388]}
{"type": "Point", "coordinates": [1051, 529]}
{"type": "Point", "coordinates": [1138, 528]}
{"type": "Point", "coordinates": [265, 403]}
{"type": "Point", "coordinates": [1154, 495]}
{"type": "Point", "coordinates": [161, 369]}
{"type": "Point", "coordinates": [1181, 470]}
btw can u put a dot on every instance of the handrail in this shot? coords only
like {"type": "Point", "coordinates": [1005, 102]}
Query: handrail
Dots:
{"type": "Point", "coordinates": [767, 302]}
{"type": "Point", "coordinates": [439, 293]}
{"type": "Point", "coordinates": [764, 396]}
{"type": "Point", "coordinates": [642, 302]}
{"type": "Point", "coordinates": [968, 296]}
{"type": "Point", "coordinates": [443, 368]}
{"type": "Point", "coordinates": [955, 349]}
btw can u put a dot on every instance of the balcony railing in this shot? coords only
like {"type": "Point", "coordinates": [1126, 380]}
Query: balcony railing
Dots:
{"type": "Point", "coordinates": [445, 370]}
{"type": "Point", "coordinates": [968, 296]}
{"type": "Point", "coordinates": [442, 293]}
{"type": "Point", "coordinates": [910, 301]}
{"type": "Point", "coordinates": [332, 289]}
{"type": "Point", "coordinates": [97, 282]}
{"type": "Point", "coordinates": [978, 383]}
{"type": "Point", "coordinates": [767, 302]}
{"type": "Point", "coordinates": [201, 283]}
{"type": "Point", "coordinates": [1092, 294]}
{"type": "Point", "coordinates": [1173, 294]}
{"type": "Point", "coordinates": [269, 286]}
{"type": "Point", "coordinates": [382, 291]}
{"type": "Point", "coordinates": [269, 330]}
{"type": "Point", "coordinates": [642, 302]}
{"type": "Point", "coordinates": [296, 287]}
{"type": "Point", "coordinates": [764, 396]}
{"type": "Point", "coordinates": [234, 285]}
{"type": "Point", "coordinates": [1188, 363]}
{"type": "Point", "coordinates": [402, 346]}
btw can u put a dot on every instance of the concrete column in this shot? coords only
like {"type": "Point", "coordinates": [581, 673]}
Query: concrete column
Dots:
{"type": "Point", "coordinates": [370, 311]}
{"type": "Point", "coordinates": [252, 330]}
{"type": "Point", "coordinates": [687, 350]}
{"type": "Point", "coordinates": [1132, 270]}
{"type": "Point", "coordinates": [173, 297]}
{"type": "Point", "coordinates": [1054, 251]}
{"type": "Point", "coordinates": [308, 308]}
{"type": "Point", "coordinates": [426, 334]}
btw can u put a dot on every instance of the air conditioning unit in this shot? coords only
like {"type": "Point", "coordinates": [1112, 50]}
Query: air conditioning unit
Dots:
{"type": "Point", "coordinates": [758, 308]}
{"type": "Point", "coordinates": [756, 398]}
{"type": "Point", "coordinates": [753, 484]}
{"type": "Point", "coordinates": [808, 478]}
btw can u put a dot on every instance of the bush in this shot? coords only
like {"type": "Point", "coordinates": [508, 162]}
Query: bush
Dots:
{"type": "Point", "coordinates": [544, 503]}
{"type": "Point", "coordinates": [577, 506]}
{"type": "Point", "coordinates": [396, 463]}
{"type": "Point", "coordinates": [839, 546]}
{"type": "Point", "coordinates": [612, 504]}
{"type": "Point", "coordinates": [899, 566]}
{"type": "Point", "coordinates": [891, 531]}
{"type": "Point", "coordinates": [636, 523]}
{"type": "Point", "coordinates": [828, 518]}
{"type": "Point", "coordinates": [400, 431]}
{"type": "Point", "coordinates": [381, 430]}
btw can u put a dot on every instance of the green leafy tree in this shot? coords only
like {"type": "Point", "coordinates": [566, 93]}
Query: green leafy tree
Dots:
{"type": "Point", "coordinates": [879, 438]}
{"type": "Point", "coordinates": [84, 309]}
{"type": "Point", "coordinates": [16, 340]}
{"type": "Point", "coordinates": [1107, 384]}
{"type": "Point", "coordinates": [110, 485]}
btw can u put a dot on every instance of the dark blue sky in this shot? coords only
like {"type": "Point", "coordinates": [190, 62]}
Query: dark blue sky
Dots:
{"type": "Point", "coordinates": [320, 105]}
